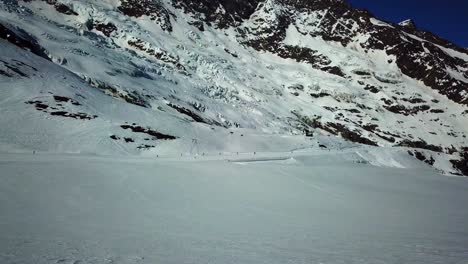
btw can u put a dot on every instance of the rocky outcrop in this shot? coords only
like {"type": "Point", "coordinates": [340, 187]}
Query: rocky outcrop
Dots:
{"type": "Point", "coordinates": [22, 39]}
{"type": "Point", "coordinates": [420, 144]}
{"type": "Point", "coordinates": [60, 106]}
{"type": "Point", "coordinates": [153, 9]}
{"type": "Point", "coordinates": [461, 164]}
{"type": "Point", "coordinates": [153, 133]}
{"type": "Point", "coordinates": [219, 13]}
{"type": "Point", "coordinates": [106, 28]}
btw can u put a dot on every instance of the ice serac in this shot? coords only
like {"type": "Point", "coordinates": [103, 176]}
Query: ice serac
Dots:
{"type": "Point", "coordinates": [241, 75]}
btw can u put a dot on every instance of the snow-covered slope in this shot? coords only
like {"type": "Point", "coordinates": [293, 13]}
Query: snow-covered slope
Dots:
{"type": "Point", "coordinates": [72, 209]}
{"type": "Point", "coordinates": [168, 77]}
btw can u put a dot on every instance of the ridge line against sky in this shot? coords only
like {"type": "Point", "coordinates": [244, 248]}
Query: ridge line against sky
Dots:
{"type": "Point", "coordinates": [447, 19]}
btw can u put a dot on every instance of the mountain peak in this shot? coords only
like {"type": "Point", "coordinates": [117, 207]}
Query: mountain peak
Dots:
{"type": "Point", "coordinates": [197, 64]}
{"type": "Point", "coordinates": [408, 23]}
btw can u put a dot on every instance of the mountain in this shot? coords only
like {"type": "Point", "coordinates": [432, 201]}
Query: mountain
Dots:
{"type": "Point", "coordinates": [408, 24]}
{"type": "Point", "coordinates": [162, 77]}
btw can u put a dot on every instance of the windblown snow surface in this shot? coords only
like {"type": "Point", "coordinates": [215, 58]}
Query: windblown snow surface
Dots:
{"type": "Point", "coordinates": [310, 206]}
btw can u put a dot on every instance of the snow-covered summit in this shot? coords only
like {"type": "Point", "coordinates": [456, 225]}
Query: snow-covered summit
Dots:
{"type": "Point", "coordinates": [163, 76]}
{"type": "Point", "coordinates": [409, 23]}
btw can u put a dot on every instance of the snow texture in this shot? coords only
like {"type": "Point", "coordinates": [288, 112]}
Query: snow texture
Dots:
{"type": "Point", "coordinates": [306, 209]}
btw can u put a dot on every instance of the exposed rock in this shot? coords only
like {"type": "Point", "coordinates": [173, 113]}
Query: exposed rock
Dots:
{"type": "Point", "coordinates": [82, 116]}
{"type": "Point", "coordinates": [145, 147]}
{"type": "Point", "coordinates": [408, 24]}
{"type": "Point", "coordinates": [59, 110]}
{"type": "Point", "coordinates": [320, 95]}
{"type": "Point", "coordinates": [106, 29]}
{"type": "Point", "coordinates": [22, 39]}
{"type": "Point", "coordinates": [437, 111]}
{"type": "Point", "coordinates": [132, 97]}
{"type": "Point", "coordinates": [220, 13]}
{"type": "Point", "coordinates": [372, 89]}
{"type": "Point", "coordinates": [64, 9]}
{"type": "Point", "coordinates": [154, 9]}
{"type": "Point", "coordinates": [318, 61]}
{"type": "Point", "coordinates": [341, 23]}
{"type": "Point", "coordinates": [420, 156]}
{"type": "Point", "coordinates": [148, 131]}
{"type": "Point", "coordinates": [343, 131]}
{"type": "Point", "coordinates": [198, 24]}
{"type": "Point", "coordinates": [159, 54]}
{"type": "Point", "coordinates": [421, 144]}
{"type": "Point", "coordinates": [362, 72]}
{"type": "Point", "coordinates": [403, 110]}
{"type": "Point", "coordinates": [129, 140]}
{"type": "Point", "coordinates": [193, 115]}
{"type": "Point", "coordinates": [461, 164]}
{"type": "Point", "coordinates": [65, 99]}
{"type": "Point", "coordinates": [307, 123]}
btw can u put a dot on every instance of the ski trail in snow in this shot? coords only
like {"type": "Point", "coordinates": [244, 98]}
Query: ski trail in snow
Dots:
{"type": "Point", "coordinates": [313, 186]}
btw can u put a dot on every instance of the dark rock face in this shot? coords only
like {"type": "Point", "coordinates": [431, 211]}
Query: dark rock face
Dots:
{"type": "Point", "coordinates": [318, 61]}
{"type": "Point", "coordinates": [220, 13]}
{"type": "Point", "coordinates": [131, 98]}
{"type": "Point", "coordinates": [154, 9]}
{"type": "Point", "coordinates": [462, 164]}
{"type": "Point", "coordinates": [20, 38]}
{"type": "Point", "coordinates": [64, 99]}
{"type": "Point", "coordinates": [346, 133]}
{"type": "Point", "coordinates": [82, 116]}
{"type": "Point", "coordinates": [148, 131]}
{"type": "Point", "coordinates": [188, 112]}
{"type": "Point", "coordinates": [60, 106]}
{"type": "Point", "coordinates": [320, 95]}
{"type": "Point", "coordinates": [106, 29]}
{"type": "Point", "coordinates": [129, 140]}
{"type": "Point", "coordinates": [64, 9]}
{"type": "Point", "coordinates": [355, 135]}
{"type": "Point", "coordinates": [408, 24]}
{"type": "Point", "coordinates": [373, 128]}
{"type": "Point", "coordinates": [420, 156]}
{"type": "Point", "coordinates": [430, 67]}
{"type": "Point", "coordinates": [193, 115]}
{"type": "Point", "coordinates": [400, 109]}
{"type": "Point", "coordinates": [421, 144]}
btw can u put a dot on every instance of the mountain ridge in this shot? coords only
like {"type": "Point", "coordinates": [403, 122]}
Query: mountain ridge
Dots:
{"type": "Point", "coordinates": [276, 67]}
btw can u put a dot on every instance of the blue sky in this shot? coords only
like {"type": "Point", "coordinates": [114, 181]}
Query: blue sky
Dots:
{"type": "Point", "coordinates": [447, 18]}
